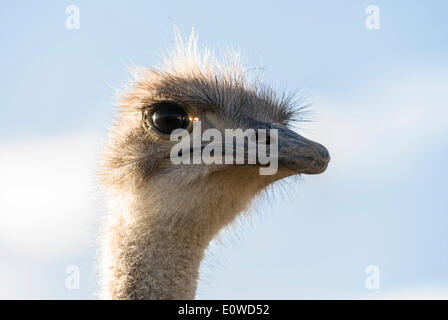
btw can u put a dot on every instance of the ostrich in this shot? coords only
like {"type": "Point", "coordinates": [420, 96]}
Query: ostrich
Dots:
{"type": "Point", "coordinates": [161, 217]}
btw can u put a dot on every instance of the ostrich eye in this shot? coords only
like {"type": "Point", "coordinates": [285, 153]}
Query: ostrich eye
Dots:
{"type": "Point", "coordinates": [166, 117]}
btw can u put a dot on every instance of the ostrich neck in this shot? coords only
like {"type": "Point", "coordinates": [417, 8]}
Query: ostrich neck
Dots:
{"type": "Point", "coordinates": [147, 256]}
{"type": "Point", "coordinates": [155, 238]}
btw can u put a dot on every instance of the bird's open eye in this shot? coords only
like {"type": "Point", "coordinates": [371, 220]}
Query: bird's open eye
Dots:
{"type": "Point", "coordinates": [165, 117]}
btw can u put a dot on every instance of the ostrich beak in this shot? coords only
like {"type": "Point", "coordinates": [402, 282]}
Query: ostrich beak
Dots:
{"type": "Point", "coordinates": [295, 152]}
{"type": "Point", "coordinates": [299, 153]}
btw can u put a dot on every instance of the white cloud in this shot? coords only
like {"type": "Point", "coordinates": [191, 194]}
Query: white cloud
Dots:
{"type": "Point", "coordinates": [48, 194]}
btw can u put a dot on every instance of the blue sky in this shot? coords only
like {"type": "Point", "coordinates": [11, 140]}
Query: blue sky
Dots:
{"type": "Point", "coordinates": [380, 103]}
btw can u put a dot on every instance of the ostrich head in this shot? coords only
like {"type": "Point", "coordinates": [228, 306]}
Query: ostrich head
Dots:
{"type": "Point", "coordinates": [164, 215]}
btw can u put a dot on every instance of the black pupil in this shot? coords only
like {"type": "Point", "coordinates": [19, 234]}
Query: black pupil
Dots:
{"type": "Point", "coordinates": [168, 117]}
